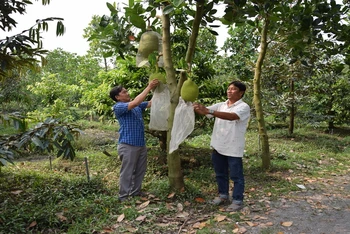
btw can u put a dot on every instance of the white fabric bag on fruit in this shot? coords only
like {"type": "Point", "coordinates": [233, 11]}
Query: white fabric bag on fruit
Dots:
{"type": "Point", "coordinates": [183, 125]}
{"type": "Point", "coordinates": [160, 108]}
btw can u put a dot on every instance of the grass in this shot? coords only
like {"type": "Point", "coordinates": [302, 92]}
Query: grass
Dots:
{"type": "Point", "coordinates": [36, 198]}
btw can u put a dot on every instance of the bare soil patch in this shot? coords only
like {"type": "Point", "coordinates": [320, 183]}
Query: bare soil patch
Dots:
{"type": "Point", "coordinates": [322, 207]}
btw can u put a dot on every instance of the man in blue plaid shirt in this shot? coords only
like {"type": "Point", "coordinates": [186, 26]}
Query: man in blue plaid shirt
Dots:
{"type": "Point", "coordinates": [132, 149]}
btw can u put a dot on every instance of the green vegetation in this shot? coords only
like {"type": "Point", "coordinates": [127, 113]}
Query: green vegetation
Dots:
{"type": "Point", "coordinates": [39, 197]}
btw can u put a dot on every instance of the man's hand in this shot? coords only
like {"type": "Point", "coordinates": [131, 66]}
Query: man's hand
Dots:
{"type": "Point", "coordinates": [200, 109]}
{"type": "Point", "coordinates": [153, 84]}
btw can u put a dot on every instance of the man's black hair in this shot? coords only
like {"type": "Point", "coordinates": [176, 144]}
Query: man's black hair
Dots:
{"type": "Point", "coordinates": [241, 86]}
{"type": "Point", "coordinates": [115, 92]}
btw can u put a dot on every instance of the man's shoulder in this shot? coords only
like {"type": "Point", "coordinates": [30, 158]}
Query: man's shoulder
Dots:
{"type": "Point", "coordinates": [242, 104]}
{"type": "Point", "coordinates": [120, 107]}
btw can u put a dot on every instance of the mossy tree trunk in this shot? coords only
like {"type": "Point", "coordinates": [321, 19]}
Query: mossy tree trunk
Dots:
{"type": "Point", "coordinates": [265, 154]}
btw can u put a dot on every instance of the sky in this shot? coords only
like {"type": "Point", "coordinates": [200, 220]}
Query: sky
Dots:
{"type": "Point", "coordinates": [77, 15]}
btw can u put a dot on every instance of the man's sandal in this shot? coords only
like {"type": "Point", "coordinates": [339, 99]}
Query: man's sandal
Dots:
{"type": "Point", "coordinates": [219, 201]}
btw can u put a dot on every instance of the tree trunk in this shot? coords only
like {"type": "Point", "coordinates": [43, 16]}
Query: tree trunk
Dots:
{"type": "Point", "coordinates": [292, 108]}
{"type": "Point", "coordinates": [257, 99]}
{"type": "Point", "coordinates": [195, 30]}
{"type": "Point", "coordinates": [175, 175]}
{"type": "Point", "coordinates": [174, 161]}
{"type": "Point", "coordinates": [162, 136]}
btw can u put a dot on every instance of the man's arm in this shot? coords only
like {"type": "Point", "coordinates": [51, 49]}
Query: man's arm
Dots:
{"type": "Point", "coordinates": [141, 97]}
{"type": "Point", "coordinates": [202, 110]}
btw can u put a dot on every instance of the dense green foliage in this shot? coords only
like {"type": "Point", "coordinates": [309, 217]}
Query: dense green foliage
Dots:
{"type": "Point", "coordinates": [48, 137]}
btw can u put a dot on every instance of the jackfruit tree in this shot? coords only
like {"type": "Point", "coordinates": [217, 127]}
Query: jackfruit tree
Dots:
{"type": "Point", "coordinates": [169, 15]}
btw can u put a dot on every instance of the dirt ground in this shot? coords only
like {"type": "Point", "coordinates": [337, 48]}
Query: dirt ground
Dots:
{"type": "Point", "coordinates": [323, 206]}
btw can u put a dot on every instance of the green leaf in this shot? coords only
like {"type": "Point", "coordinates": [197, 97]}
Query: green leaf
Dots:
{"type": "Point", "coordinates": [213, 32]}
{"type": "Point", "coordinates": [3, 161]}
{"type": "Point", "coordinates": [168, 9]}
{"type": "Point", "coordinates": [304, 63]}
{"type": "Point", "coordinates": [37, 142]}
{"type": "Point", "coordinates": [138, 21]}
{"type": "Point", "coordinates": [177, 3]}
{"type": "Point", "coordinates": [111, 8]}
{"type": "Point", "coordinates": [59, 153]}
{"type": "Point", "coordinates": [251, 22]}
{"type": "Point", "coordinates": [24, 140]}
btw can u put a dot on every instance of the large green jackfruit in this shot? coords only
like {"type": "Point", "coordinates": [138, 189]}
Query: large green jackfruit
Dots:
{"type": "Point", "coordinates": [189, 91]}
{"type": "Point", "coordinates": [161, 77]}
{"type": "Point", "coordinates": [148, 43]}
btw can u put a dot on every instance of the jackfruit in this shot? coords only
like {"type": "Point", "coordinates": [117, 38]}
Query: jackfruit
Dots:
{"type": "Point", "coordinates": [148, 43]}
{"type": "Point", "coordinates": [161, 77]}
{"type": "Point", "coordinates": [189, 91]}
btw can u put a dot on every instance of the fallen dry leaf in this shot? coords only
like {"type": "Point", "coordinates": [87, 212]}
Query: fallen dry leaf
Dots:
{"type": "Point", "coordinates": [180, 207]}
{"type": "Point", "coordinates": [107, 230]}
{"type": "Point", "coordinates": [187, 203]}
{"type": "Point", "coordinates": [61, 217]}
{"type": "Point", "coordinates": [199, 225]}
{"type": "Point", "coordinates": [115, 226]}
{"type": "Point", "coordinates": [169, 206]}
{"type": "Point", "coordinates": [141, 218]}
{"type": "Point", "coordinates": [199, 200]}
{"type": "Point", "coordinates": [245, 210]}
{"type": "Point", "coordinates": [162, 224]}
{"type": "Point", "coordinates": [121, 217]}
{"type": "Point", "coordinates": [131, 229]}
{"type": "Point", "coordinates": [287, 224]}
{"type": "Point", "coordinates": [143, 205]}
{"type": "Point", "coordinates": [182, 215]}
{"type": "Point", "coordinates": [251, 224]}
{"type": "Point", "coordinates": [239, 230]}
{"type": "Point", "coordinates": [32, 224]}
{"type": "Point", "coordinates": [244, 218]}
{"type": "Point", "coordinates": [220, 218]}
{"type": "Point", "coordinates": [16, 192]}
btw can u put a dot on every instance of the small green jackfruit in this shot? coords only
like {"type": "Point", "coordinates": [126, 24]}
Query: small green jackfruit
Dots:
{"type": "Point", "coordinates": [161, 77]}
{"type": "Point", "coordinates": [148, 43]}
{"type": "Point", "coordinates": [189, 91]}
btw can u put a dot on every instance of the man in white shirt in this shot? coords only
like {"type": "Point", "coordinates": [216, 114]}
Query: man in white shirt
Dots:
{"type": "Point", "coordinates": [227, 141]}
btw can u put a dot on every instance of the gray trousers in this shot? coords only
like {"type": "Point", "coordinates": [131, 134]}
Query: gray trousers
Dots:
{"type": "Point", "coordinates": [133, 169]}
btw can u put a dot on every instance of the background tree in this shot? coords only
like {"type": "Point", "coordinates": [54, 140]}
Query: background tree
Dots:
{"type": "Point", "coordinates": [327, 89]}
{"type": "Point", "coordinates": [297, 24]}
{"type": "Point", "coordinates": [21, 50]}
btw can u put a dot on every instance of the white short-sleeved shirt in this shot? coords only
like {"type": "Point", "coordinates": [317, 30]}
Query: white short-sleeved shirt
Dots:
{"type": "Point", "coordinates": [228, 137]}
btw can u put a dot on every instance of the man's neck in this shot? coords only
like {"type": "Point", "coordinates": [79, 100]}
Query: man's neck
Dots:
{"type": "Point", "coordinates": [232, 101]}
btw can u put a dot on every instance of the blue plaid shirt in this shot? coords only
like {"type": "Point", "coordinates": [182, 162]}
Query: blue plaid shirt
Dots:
{"type": "Point", "coordinates": [132, 130]}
